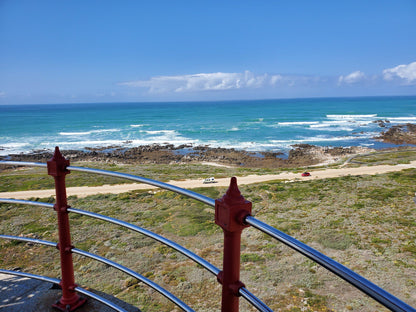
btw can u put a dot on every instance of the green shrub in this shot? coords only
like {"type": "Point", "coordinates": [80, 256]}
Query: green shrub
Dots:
{"type": "Point", "coordinates": [251, 257]}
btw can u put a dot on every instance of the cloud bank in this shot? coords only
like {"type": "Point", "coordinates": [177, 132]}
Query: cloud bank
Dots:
{"type": "Point", "coordinates": [398, 80]}
{"type": "Point", "coordinates": [212, 82]}
{"type": "Point", "coordinates": [278, 84]}
{"type": "Point", "coordinates": [407, 73]}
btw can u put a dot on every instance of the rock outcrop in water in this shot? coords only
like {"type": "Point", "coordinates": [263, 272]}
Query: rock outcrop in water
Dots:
{"type": "Point", "coordinates": [400, 134]}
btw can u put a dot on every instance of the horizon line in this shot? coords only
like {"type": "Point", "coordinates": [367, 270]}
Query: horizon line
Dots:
{"type": "Point", "coordinates": [212, 101]}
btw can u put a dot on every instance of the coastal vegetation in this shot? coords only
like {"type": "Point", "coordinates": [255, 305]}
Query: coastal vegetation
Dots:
{"type": "Point", "coordinates": [34, 178]}
{"type": "Point", "coordinates": [366, 223]}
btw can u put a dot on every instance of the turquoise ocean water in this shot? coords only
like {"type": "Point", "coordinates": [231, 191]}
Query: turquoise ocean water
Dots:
{"type": "Point", "coordinates": [251, 125]}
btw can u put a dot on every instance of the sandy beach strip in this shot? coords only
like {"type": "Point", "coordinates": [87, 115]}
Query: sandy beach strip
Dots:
{"type": "Point", "coordinates": [84, 191]}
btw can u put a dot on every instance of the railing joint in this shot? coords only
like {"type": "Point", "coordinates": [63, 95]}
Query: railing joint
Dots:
{"type": "Point", "coordinates": [235, 288]}
{"type": "Point", "coordinates": [63, 208]}
{"type": "Point", "coordinates": [241, 217]}
{"type": "Point", "coordinates": [68, 249]}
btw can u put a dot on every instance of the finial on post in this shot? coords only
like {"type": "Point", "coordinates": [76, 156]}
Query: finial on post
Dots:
{"type": "Point", "coordinates": [232, 208]}
{"type": "Point", "coordinates": [233, 194]}
{"type": "Point", "coordinates": [57, 155]}
{"type": "Point", "coordinates": [57, 165]}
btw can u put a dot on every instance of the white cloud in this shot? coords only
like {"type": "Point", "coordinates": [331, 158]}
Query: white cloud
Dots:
{"type": "Point", "coordinates": [183, 83]}
{"type": "Point", "coordinates": [354, 77]}
{"type": "Point", "coordinates": [252, 81]}
{"type": "Point", "coordinates": [2, 94]}
{"type": "Point", "coordinates": [212, 82]}
{"type": "Point", "coordinates": [405, 72]}
{"type": "Point", "coordinates": [275, 79]}
{"type": "Point", "coordinates": [208, 82]}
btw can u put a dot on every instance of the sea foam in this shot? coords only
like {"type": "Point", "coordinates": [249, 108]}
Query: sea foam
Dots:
{"type": "Point", "coordinates": [351, 116]}
{"type": "Point", "coordinates": [88, 132]}
{"type": "Point", "coordinates": [295, 123]}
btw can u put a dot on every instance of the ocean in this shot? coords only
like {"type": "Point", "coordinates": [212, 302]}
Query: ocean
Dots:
{"type": "Point", "coordinates": [253, 125]}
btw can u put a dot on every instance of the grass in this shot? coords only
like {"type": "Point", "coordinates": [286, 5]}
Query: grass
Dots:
{"type": "Point", "coordinates": [366, 223]}
{"type": "Point", "coordinates": [388, 157]}
{"type": "Point", "coordinates": [35, 178]}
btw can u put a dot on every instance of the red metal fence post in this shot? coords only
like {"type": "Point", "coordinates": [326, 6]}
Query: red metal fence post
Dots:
{"type": "Point", "coordinates": [230, 212]}
{"type": "Point", "coordinates": [70, 299]}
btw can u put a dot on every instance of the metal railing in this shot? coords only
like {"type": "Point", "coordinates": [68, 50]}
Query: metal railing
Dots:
{"type": "Point", "coordinates": [108, 262]}
{"type": "Point", "coordinates": [238, 210]}
{"type": "Point", "coordinates": [78, 289]}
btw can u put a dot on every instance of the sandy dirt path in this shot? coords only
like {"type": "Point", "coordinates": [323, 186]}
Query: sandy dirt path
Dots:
{"type": "Point", "coordinates": [84, 191]}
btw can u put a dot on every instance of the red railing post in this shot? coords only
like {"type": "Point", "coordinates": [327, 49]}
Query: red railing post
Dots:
{"type": "Point", "coordinates": [70, 300]}
{"type": "Point", "coordinates": [230, 212]}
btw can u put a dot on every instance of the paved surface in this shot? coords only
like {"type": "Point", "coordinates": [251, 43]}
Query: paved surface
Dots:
{"type": "Point", "coordinates": [20, 294]}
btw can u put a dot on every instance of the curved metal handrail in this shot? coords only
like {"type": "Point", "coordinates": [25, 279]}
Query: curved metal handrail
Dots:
{"type": "Point", "coordinates": [372, 290]}
{"type": "Point", "coordinates": [113, 264]}
{"type": "Point", "coordinates": [77, 288]}
{"type": "Point", "coordinates": [166, 186]}
{"type": "Point", "coordinates": [252, 299]}
{"type": "Point", "coordinates": [23, 163]}
{"type": "Point", "coordinates": [29, 240]}
{"type": "Point", "coordinates": [204, 199]}
{"type": "Point", "coordinates": [26, 202]}
{"type": "Point", "coordinates": [140, 277]}
{"type": "Point", "coordinates": [350, 276]}
{"type": "Point", "coordinates": [201, 261]}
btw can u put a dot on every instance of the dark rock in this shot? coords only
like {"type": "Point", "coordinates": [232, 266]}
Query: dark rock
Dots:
{"type": "Point", "coordinates": [400, 134]}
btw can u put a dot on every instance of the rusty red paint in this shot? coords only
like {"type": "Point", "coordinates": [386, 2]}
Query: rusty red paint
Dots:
{"type": "Point", "coordinates": [230, 212]}
{"type": "Point", "coordinates": [70, 300]}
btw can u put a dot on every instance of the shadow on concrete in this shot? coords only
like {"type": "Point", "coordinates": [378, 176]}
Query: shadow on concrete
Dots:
{"type": "Point", "coordinates": [21, 294]}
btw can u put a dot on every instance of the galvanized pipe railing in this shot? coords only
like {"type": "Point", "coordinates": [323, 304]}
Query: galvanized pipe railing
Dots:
{"type": "Point", "coordinates": [162, 185]}
{"type": "Point", "coordinates": [78, 289]}
{"type": "Point", "coordinates": [141, 278]}
{"type": "Point", "coordinates": [253, 300]}
{"type": "Point", "coordinates": [201, 261]}
{"type": "Point", "coordinates": [113, 264]}
{"type": "Point", "coordinates": [372, 290]}
{"type": "Point", "coordinates": [258, 304]}
{"type": "Point", "coordinates": [353, 278]}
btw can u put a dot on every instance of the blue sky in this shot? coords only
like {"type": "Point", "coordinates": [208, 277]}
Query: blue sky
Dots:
{"type": "Point", "coordinates": [110, 51]}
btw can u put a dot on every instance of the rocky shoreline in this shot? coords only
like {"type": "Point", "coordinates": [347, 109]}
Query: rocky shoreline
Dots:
{"type": "Point", "coordinates": [299, 155]}
{"type": "Point", "coordinates": [400, 134]}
